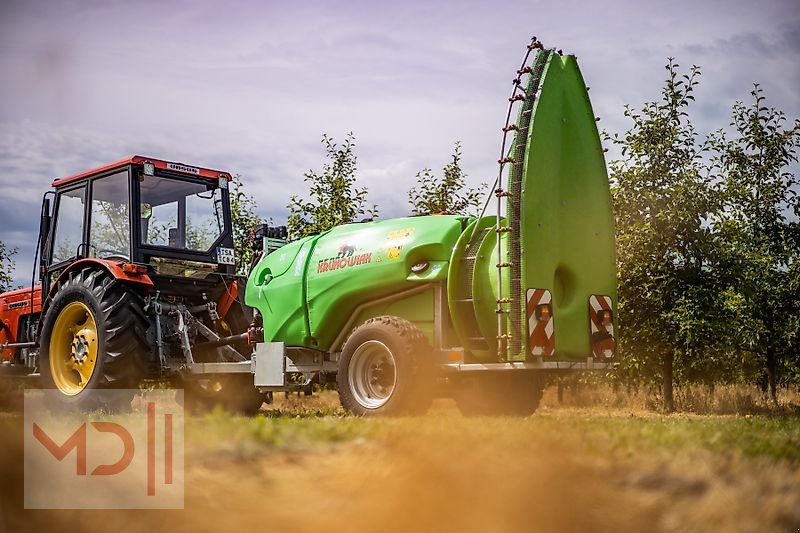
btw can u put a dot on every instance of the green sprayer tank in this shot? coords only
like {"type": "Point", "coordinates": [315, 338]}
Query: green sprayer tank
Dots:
{"type": "Point", "coordinates": [543, 302]}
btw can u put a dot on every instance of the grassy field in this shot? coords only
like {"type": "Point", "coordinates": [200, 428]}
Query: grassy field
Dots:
{"type": "Point", "coordinates": [302, 465]}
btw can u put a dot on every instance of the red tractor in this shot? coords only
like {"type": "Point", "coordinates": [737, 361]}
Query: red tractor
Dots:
{"type": "Point", "coordinates": [137, 281]}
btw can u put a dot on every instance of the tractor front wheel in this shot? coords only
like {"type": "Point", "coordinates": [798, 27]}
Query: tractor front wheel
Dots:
{"type": "Point", "coordinates": [94, 342]}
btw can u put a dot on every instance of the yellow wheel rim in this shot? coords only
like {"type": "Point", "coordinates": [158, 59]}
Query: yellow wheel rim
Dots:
{"type": "Point", "coordinates": [73, 348]}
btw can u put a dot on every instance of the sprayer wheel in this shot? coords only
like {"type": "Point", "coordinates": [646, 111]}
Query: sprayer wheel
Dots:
{"type": "Point", "coordinates": [384, 369]}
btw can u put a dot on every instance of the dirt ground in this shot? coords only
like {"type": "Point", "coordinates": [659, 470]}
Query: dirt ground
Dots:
{"type": "Point", "coordinates": [303, 466]}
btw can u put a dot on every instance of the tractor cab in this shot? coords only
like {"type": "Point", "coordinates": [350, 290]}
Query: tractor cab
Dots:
{"type": "Point", "coordinates": [169, 220]}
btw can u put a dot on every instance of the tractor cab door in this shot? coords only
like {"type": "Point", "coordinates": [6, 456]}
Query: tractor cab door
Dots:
{"type": "Point", "coordinates": [109, 218]}
{"type": "Point", "coordinates": [91, 218]}
{"type": "Point", "coordinates": [68, 230]}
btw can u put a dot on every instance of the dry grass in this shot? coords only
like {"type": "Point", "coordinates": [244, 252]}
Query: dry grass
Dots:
{"type": "Point", "coordinates": [697, 399]}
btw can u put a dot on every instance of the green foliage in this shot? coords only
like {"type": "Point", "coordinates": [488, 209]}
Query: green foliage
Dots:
{"type": "Point", "coordinates": [665, 248]}
{"type": "Point", "coordinates": [334, 198]}
{"type": "Point", "coordinates": [760, 232]}
{"type": "Point", "coordinates": [244, 220]}
{"type": "Point", "coordinates": [708, 243]}
{"type": "Point", "coordinates": [446, 194]}
{"type": "Point", "coordinates": [7, 265]}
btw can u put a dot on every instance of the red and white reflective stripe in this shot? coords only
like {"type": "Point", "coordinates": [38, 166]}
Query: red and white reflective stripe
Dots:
{"type": "Point", "coordinates": [541, 338]}
{"type": "Point", "coordinates": [605, 345]}
{"type": "Point", "coordinates": [599, 303]}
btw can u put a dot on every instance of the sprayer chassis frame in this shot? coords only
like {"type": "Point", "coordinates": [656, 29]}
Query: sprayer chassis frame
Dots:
{"type": "Point", "coordinates": [270, 365]}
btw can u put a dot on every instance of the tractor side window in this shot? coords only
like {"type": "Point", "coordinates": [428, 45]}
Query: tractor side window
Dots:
{"type": "Point", "coordinates": [69, 225]}
{"type": "Point", "coordinates": [109, 233]}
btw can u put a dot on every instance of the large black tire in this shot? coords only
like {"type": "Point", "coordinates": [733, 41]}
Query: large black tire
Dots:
{"type": "Point", "coordinates": [502, 394]}
{"type": "Point", "coordinates": [232, 392]}
{"type": "Point", "coordinates": [385, 369]}
{"type": "Point", "coordinates": [121, 327]}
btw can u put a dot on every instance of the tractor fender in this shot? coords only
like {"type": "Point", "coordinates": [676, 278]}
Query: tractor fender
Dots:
{"type": "Point", "coordinates": [114, 268]}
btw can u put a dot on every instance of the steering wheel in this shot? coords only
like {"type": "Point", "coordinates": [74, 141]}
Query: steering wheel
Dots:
{"type": "Point", "coordinates": [113, 255]}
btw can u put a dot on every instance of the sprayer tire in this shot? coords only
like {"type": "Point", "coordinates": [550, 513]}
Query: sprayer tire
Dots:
{"type": "Point", "coordinates": [385, 369]}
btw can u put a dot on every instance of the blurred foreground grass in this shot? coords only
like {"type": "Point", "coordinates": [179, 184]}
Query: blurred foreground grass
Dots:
{"type": "Point", "coordinates": [302, 424]}
{"type": "Point", "coordinates": [303, 465]}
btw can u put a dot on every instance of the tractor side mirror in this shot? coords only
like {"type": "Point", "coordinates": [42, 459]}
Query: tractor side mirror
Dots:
{"type": "Point", "coordinates": [45, 223]}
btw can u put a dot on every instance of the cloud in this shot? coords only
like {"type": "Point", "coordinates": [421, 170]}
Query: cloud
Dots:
{"type": "Point", "coordinates": [251, 87]}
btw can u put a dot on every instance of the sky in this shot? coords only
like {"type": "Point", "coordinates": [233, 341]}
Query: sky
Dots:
{"type": "Point", "coordinates": [250, 87]}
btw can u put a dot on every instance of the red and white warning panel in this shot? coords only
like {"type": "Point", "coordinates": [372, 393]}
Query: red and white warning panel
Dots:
{"type": "Point", "coordinates": [541, 337]}
{"type": "Point", "coordinates": [601, 320]}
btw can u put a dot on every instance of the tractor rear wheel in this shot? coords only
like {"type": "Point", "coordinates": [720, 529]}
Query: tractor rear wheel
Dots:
{"type": "Point", "coordinates": [507, 394]}
{"type": "Point", "coordinates": [94, 342]}
{"type": "Point", "coordinates": [384, 369]}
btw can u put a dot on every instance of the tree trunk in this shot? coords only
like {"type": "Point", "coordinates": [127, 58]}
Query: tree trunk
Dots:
{"type": "Point", "coordinates": [772, 369]}
{"type": "Point", "coordinates": [666, 382]}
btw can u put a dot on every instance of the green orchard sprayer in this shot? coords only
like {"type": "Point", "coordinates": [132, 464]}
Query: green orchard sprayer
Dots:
{"type": "Point", "coordinates": [136, 282]}
{"type": "Point", "coordinates": [481, 308]}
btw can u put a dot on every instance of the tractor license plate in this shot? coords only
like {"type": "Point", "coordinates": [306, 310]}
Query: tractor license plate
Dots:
{"type": "Point", "coordinates": [225, 256]}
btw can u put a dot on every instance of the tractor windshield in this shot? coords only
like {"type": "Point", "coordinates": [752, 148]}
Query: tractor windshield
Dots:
{"type": "Point", "coordinates": [180, 214]}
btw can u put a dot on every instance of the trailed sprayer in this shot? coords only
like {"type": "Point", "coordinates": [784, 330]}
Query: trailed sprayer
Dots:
{"type": "Point", "coordinates": [406, 309]}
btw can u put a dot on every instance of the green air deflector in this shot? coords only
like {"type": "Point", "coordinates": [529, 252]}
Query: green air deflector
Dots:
{"type": "Point", "coordinates": [566, 224]}
{"type": "Point", "coordinates": [560, 232]}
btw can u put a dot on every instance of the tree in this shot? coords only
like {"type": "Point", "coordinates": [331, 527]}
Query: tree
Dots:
{"type": "Point", "coordinates": [761, 237]}
{"type": "Point", "coordinates": [665, 249]}
{"type": "Point", "coordinates": [244, 220]}
{"type": "Point", "coordinates": [334, 197]}
{"type": "Point", "coordinates": [7, 265]}
{"type": "Point", "coordinates": [445, 195]}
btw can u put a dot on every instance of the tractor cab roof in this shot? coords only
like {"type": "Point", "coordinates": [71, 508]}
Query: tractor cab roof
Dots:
{"type": "Point", "coordinates": [178, 168]}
